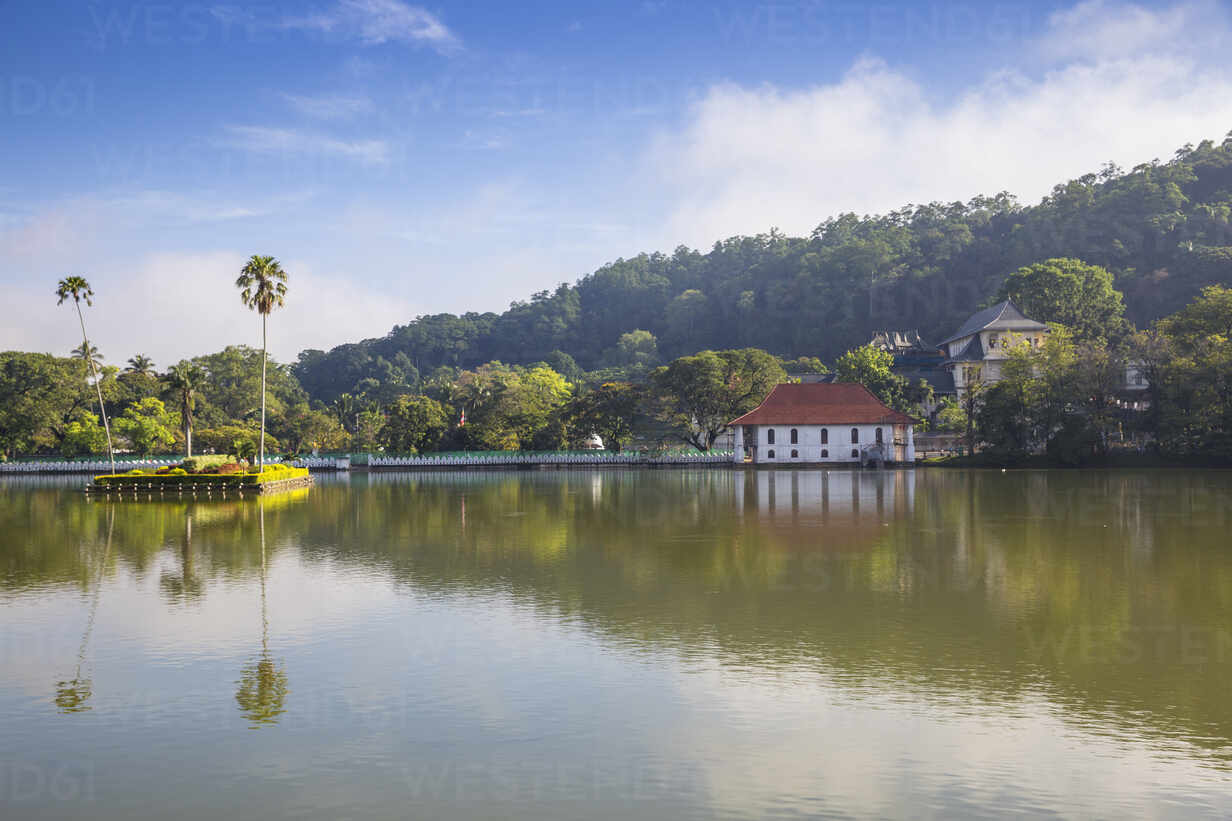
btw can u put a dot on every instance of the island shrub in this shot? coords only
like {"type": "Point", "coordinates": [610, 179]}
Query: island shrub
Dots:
{"type": "Point", "coordinates": [202, 464]}
{"type": "Point", "coordinates": [181, 477]}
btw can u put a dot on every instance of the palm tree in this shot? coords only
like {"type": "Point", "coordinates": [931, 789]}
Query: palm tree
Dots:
{"type": "Point", "coordinates": [185, 379]}
{"type": "Point", "coordinates": [263, 287]}
{"type": "Point", "coordinates": [95, 359]}
{"type": "Point", "coordinates": [79, 289]}
{"type": "Point", "coordinates": [141, 364]}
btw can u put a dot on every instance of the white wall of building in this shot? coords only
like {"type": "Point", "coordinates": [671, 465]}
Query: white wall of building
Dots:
{"type": "Point", "coordinates": [809, 445]}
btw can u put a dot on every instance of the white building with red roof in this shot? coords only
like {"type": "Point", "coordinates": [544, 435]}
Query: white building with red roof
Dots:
{"type": "Point", "coordinates": [823, 423]}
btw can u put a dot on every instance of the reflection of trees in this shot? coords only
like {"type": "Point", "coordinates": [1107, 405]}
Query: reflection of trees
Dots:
{"type": "Point", "coordinates": [262, 692]}
{"type": "Point", "coordinates": [983, 585]}
{"type": "Point", "coordinates": [187, 586]}
{"type": "Point", "coordinates": [72, 695]}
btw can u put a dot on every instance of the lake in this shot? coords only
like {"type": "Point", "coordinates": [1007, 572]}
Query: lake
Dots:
{"type": "Point", "coordinates": [609, 644]}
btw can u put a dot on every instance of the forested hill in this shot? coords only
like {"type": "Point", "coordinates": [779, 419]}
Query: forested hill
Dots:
{"type": "Point", "coordinates": [1163, 229]}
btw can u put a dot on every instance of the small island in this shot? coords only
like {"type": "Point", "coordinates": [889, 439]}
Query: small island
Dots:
{"type": "Point", "coordinates": [204, 474]}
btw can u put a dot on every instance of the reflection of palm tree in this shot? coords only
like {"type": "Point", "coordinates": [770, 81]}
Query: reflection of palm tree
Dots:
{"type": "Point", "coordinates": [187, 585]}
{"type": "Point", "coordinates": [262, 692]}
{"type": "Point", "coordinates": [71, 695]}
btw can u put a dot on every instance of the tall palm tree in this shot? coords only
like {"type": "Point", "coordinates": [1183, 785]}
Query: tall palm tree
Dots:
{"type": "Point", "coordinates": [263, 287]}
{"type": "Point", "coordinates": [141, 364]}
{"type": "Point", "coordinates": [185, 379]}
{"type": "Point", "coordinates": [79, 289]}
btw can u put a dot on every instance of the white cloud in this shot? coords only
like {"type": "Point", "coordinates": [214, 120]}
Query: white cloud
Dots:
{"type": "Point", "coordinates": [266, 140]}
{"type": "Point", "coordinates": [329, 106]}
{"type": "Point", "coordinates": [175, 305]}
{"type": "Point", "coordinates": [751, 158]}
{"type": "Point", "coordinates": [1096, 29]}
{"type": "Point", "coordinates": [380, 21]}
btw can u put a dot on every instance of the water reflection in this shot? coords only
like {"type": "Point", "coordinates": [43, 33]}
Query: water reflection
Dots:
{"type": "Point", "coordinates": [262, 692]}
{"type": "Point", "coordinates": [187, 585]}
{"type": "Point", "coordinates": [778, 617]}
{"type": "Point", "coordinates": [72, 695]}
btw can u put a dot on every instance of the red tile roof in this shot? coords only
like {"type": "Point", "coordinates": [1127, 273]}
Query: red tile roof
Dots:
{"type": "Point", "coordinates": [836, 403]}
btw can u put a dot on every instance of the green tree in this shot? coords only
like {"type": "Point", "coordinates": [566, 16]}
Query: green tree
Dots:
{"type": "Point", "coordinates": [141, 364]}
{"type": "Point", "coordinates": [610, 411]}
{"type": "Point", "coordinates": [185, 379]}
{"type": "Point", "coordinates": [95, 358]}
{"type": "Point", "coordinates": [79, 289]}
{"type": "Point", "coordinates": [263, 288]}
{"type": "Point", "coordinates": [698, 395]}
{"type": "Point", "coordinates": [951, 418]}
{"type": "Point", "coordinates": [40, 395]}
{"type": "Point", "coordinates": [805, 364]}
{"type": "Point", "coordinates": [83, 436]}
{"type": "Point", "coordinates": [147, 426]}
{"type": "Point", "coordinates": [414, 424]}
{"type": "Point", "coordinates": [636, 352]}
{"type": "Point", "coordinates": [301, 428]}
{"type": "Point", "coordinates": [221, 439]}
{"type": "Point", "coordinates": [1079, 296]}
{"type": "Point", "coordinates": [872, 368]}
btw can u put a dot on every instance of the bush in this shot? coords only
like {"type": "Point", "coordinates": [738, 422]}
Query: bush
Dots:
{"type": "Point", "coordinates": [182, 477]}
{"type": "Point", "coordinates": [202, 464]}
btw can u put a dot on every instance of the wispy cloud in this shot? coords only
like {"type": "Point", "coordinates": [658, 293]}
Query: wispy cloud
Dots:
{"type": "Point", "coordinates": [329, 106]}
{"type": "Point", "coordinates": [265, 140]}
{"type": "Point", "coordinates": [380, 21]}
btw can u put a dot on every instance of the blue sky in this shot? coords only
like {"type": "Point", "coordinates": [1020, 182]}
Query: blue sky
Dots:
{"type": "Point", "coordinates": [404, 159]}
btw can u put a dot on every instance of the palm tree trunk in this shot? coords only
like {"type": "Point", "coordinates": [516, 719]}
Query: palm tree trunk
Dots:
{"type": "Point", "coordinates": [264, 356]}
{"type": "Point", "coordinates": [186, 418]}
{"type": "Point", "coordinates": [98, 386]}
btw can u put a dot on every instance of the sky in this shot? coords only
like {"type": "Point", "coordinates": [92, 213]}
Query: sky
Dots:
{"type": "Point", "coordinates": [404, 159]}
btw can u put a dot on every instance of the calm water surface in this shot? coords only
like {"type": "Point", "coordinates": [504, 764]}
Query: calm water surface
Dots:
{"type": "Point", "coordinates": [657, 644]}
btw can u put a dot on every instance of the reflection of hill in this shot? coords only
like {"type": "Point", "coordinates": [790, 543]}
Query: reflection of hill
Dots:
{"type": "Point", "coordinates": [1111, 592]}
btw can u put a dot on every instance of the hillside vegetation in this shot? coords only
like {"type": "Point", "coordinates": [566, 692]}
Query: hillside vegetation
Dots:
{"type": "Point", "coordinates": [1162, 229]}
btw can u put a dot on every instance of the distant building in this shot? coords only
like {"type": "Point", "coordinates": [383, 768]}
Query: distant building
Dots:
{"type": "Point", "coordinates": [976, 352]}
{"type": "Point", "coordinates": [915, 359]}
{"type": "Point", "coordinates": [981, 346]}
{"type": "Point", "coordinates": [823, 423]}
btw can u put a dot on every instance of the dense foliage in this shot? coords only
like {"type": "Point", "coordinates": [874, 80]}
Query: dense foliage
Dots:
{"type": "Point", "coordinates": [1161, 230]}
{"type": "Point", "coordinates": [663, 349]}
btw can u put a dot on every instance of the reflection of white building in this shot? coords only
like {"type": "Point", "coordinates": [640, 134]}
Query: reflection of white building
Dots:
{"type": "Point", "coordinates": [842, 508]}
{"type": "Point", "coordinates": [976, 352]}
{"type": "Point", "coordinates": [823, 423]}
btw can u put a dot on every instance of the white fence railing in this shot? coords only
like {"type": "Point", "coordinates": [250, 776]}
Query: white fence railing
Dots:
{"type": "Point", "coordinates": [323, 462]}
{"type": "Point", "coordinates": [548, 459]}
{"type": "Point", "coordinates": [85, 465]}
